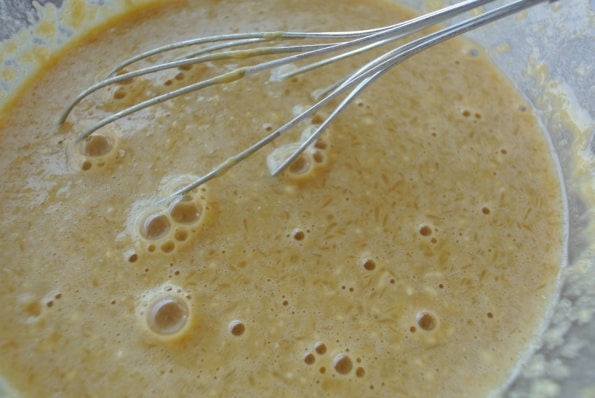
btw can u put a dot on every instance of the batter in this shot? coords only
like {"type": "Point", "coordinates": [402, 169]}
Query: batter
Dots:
{"type": "Point", "coordinates": [412, 251]}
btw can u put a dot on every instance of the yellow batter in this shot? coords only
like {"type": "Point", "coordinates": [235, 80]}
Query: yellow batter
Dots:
{"type": "Point", "coordinates": [413, 252]}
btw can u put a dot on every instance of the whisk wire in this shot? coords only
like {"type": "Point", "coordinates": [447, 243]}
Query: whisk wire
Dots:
{"type": "Point", "coordinates": [364, 40]}
{"type": "Point", "coordinates": [392, 32]}
{"type": "Point", "coordinates": [373, 70]}
{"type": "Point", "coordinates": [222, 78]}
{"type": "Point", "coordinates": [405, 28]}
{"type": "Point", "coordinates": [391, 58]}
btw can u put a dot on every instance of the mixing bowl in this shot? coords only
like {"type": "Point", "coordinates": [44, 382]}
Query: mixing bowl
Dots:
{"type": "Point", "coordinates": [547, 52]}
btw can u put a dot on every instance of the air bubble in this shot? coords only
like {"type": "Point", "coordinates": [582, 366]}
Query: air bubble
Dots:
{"type": "Point", "coordinates": [320, 348]}
{"type": "Point", "coordinates": [181, 235]}
{"type": "Point", "coordinates": [299, 235]}
{"type": "Point", "coordinates": [97, 145]}
{"type": "Point", "coordinates": [318, 157]}
{"type": "Point", "coordinates": [168, 316]}
{"type": "Point", "coordinates": [32, 307]}
{"type": "Point", "coordinates": [309, 359]}
{"type": "Point", "coordinates": [342, 364]}
{"type": "Point", "coordinates": [120, 94]}
{"type": "Point", "coordinates": [168, 247]}
{"type": "Point", "coordinates": [317, 118]}
{"type": "Point", "coordinates": [425, 230]}
{"type": "Point", "coordinates": [184, 212]}
{"type": "Point", "coordinates": [96, 150]}
{"type": "Point", "coordinates": [302, 165]}
{"type": "Point", "coordinates": [426, 321]}
{"type": "Point", "coordinates": [166, 226]}
{"type": "Point", "coordinates": [321, 144]}
{"type": "Point", "coordinates": [155, 226]}
{"type": "Point", "coordinates": [368, 264]}
{"type": "Point", "coordinates": [237, 328]}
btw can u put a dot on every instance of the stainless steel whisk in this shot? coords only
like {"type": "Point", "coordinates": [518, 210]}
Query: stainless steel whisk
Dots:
{"type": "Point", "coordinates": [345, 44]}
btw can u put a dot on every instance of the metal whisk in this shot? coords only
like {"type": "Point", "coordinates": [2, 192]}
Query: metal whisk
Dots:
{"type": "Point", "coordinates": [341, 45]}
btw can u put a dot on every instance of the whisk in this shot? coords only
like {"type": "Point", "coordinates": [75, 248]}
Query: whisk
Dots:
{"type": "Point", "coordinates": [334, 46]}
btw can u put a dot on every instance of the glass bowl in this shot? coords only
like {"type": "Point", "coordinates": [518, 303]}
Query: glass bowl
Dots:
{"type": "Point", "coordinates": [547, 52]}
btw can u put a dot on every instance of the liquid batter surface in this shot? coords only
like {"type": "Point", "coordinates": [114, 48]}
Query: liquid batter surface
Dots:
{"type": "Point", "coordinates": [412, 251]}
